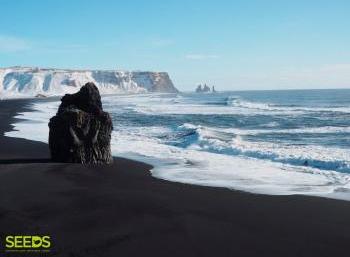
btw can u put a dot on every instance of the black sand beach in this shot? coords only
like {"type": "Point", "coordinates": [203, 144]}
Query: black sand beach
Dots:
{"type": "Point", "coordinates": [121, 210]}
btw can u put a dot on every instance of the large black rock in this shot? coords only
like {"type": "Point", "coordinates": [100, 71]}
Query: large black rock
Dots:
{"type": "Point", "coordinates": [80, 132]}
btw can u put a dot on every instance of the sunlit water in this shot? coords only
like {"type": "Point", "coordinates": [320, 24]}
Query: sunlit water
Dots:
{"type": "Point", "coordinates": [272, 142]}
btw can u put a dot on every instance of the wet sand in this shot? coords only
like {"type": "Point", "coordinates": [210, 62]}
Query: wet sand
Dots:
{"type": "Point", "coordinates": [121, 210]}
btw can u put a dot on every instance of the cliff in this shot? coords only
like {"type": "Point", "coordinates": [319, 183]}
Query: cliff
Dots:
{"type": "Point", "coordinates": [31, 82]}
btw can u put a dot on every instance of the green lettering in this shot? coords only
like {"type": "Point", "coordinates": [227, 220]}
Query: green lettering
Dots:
{"type": "Point", "coordinates": [46, 242]}
{"type": "Point", "coordinates": [27, 241]}
{"type": "Point", "coordinates": [9, 242]}
{"type": "Point", "coordinates": [36, 241]}
{"type": "Point", "coordinates": [18, 241]}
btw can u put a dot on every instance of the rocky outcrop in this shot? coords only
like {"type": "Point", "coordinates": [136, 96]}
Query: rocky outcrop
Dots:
{"type": "Point", "coordinates": [204, 89]}
{"type": "Point", "coordinates": [80, 132]}
{"type": "Point", "coordinates": [155, 82]}
{"type": "Point", "coordinates": [29, 82]}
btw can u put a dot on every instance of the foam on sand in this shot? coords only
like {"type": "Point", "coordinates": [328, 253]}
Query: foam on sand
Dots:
{"type": "Point", "coordinates": [200, 165]}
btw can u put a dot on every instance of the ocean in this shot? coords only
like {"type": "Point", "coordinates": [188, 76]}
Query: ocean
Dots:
{"type": "Point", "coordinates": [267, 142]}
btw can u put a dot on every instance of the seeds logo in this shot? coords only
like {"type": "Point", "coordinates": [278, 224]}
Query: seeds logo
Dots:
{"type": "Point", "coordinates": [20, 243]}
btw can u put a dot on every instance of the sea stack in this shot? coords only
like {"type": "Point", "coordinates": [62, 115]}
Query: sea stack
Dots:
{"type": "Point", "coordinates": [204, 89]}
{"type": "Point", "coordinates": [80, 132]}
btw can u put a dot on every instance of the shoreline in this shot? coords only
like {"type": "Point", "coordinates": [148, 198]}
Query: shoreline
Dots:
{"type": "Point", "coordinates": [121, 210]}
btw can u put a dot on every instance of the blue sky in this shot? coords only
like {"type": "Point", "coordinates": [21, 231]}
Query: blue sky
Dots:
{"type": "Point", "coordinates": [235, 45]}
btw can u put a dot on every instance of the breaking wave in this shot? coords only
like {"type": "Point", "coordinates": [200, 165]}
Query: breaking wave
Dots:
{"type": "Point", "coordinates": [261, 145]}
{"type": "Point", "coordinates": [231, 142]}
{"type": "Point", "coordinates": [241, 103]}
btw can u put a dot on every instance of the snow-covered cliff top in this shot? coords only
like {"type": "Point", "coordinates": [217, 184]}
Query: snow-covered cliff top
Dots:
{"type": "Point", "coordinates": [30, 82]}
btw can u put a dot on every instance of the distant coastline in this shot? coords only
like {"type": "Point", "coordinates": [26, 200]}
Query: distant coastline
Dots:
{"type": "Point", "coordinates": [19, 82]}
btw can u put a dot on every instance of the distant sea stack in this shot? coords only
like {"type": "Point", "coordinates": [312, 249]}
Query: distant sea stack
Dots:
{"type": "Point", "coordinates": [80, 132]}
{"type": "Point", "coordinates": [205, 89]}
{"type": "Point", "coordinates": [31, 82]}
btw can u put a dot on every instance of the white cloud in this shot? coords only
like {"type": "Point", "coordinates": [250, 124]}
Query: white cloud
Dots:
{"type": "Point", "coordinates": [9, 44]}
{"type": "Point", "coordinates": [201, 56]}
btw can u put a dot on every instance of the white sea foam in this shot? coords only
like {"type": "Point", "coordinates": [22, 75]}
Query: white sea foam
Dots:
{"type": "Point", "coordinates": [33, 125]}
{"type": "Point", "coordinates": [204, 162]}
{"type": "Point", "coordinates": [156, 105]}
{"type": "Point", "coordinates": [239, 102]}
{"type": "Point", "coordinates": [234, 172]}
{"type": "Point", "coordinates": [304, 130]}
{"type": "Point", "coordinates": [230, 141]}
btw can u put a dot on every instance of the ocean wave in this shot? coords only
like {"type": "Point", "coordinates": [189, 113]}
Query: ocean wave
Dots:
{"type": "Point", "coordinates": [225, 142]}
{"type": "Point", "coordinates": [268, 130]}
{"type": "Point", "coordinates": [245, 104]}
{"type": "Point", "coordinates": [304, 130]}
{"type": "Point", "coordinates": [239, 102]}
{"type": "Point", "coordinates": [213, 156]}
{"type": "Point", "coordinates": [236, 172]}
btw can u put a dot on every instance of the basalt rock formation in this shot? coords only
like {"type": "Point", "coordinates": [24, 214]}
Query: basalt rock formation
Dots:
{"type": "Point", "coordinates": [204, 89]}
{"type": "Point", "coordinates": [80, 132]}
